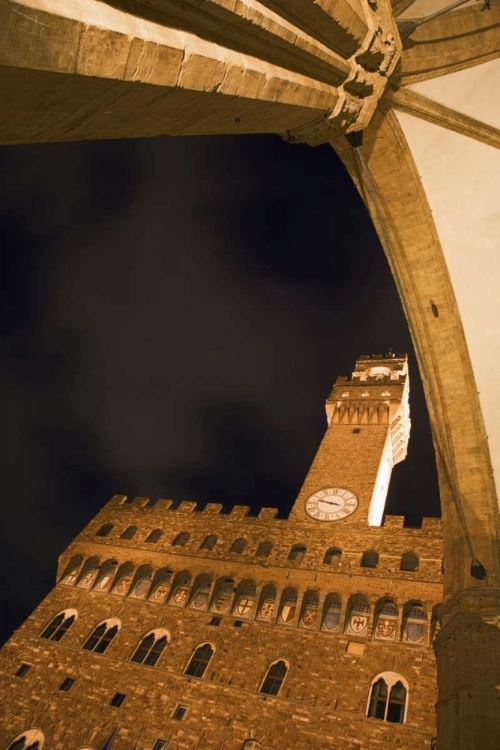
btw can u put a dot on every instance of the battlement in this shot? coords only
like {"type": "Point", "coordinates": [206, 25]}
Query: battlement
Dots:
{"type": "Point", "coordinates": [185, 507]}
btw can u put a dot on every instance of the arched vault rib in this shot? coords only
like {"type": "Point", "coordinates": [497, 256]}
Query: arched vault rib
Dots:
{"type": "Point", "coordinates": [405, 225]}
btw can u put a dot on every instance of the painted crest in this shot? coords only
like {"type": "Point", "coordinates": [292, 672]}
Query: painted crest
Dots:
{"type": "Point", "coordinates": [88, 579]}
{"type": "Point", "coordinates": [200, 599]}
{"type": "Point", "coordinates": [140, 589]}
{"type": "Point", "coordinates": [159, 594]}
{"type": "Point", "coordinates": [331, 620]}
{"type": "Point", "coordinates": [358, 624]}
{"type": "Point", "coordinates": [121, 587]}
{"type": "Point", "coordinates": [180, 596]}
{"type": "Point", "coordinates": [244, 606]}
{"type": "Point", "coordinates": [104, 583]}
{"type": "Point", "coordinates": [70, 579]}
{"type": "Point", "coordinates": [414, 632]}
{"type": "Point", "coordinates": [266, 611]}
{"type": "Point", "coordinates": [287, 612]}
{"type": "Point", "coordinates": [386, 629]}
{"type": "Point", "coordinates": [222, 604]}
{"type": "Point", "coordinates": [309, 617]}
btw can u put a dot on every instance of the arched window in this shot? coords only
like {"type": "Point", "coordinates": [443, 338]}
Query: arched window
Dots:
{"type": "Point", "coordinates": [72, 569]}
{"type": "Point", "coordinates": [309, 614]}
{"type": "Point", "coordinates": [409, 561]}
{"type": "Point", "coordinates": [245, 599]}
{"type": "Point", "coordinates": [129, 532]}
{"type": "Point", "coordinates": [414, 623]}
{"type": "Point", "coordinates": [386, 620]}
{"type": "Point", "coordinates": [297, 552]}
{"type": "Point", "coordinates": [105, 530]}
{"type": "Point", "coordinates": [331, 613]}
{"type": "Point", "coordinates": [154, 536]}
{"type": "Point", "coordinates": [209, 542]}
{"type": "Point", "coordinates": [332, 556]}
{"type": "Point", "coordinates": [151, 648]}
{"type": "Point", "coordinates": [358, 616]}
{"type": "Point", "coordinates": [288, 606]}
{"type": "Point", "coordinates": [30, 739]}
{"type": "Point", "coordinates": [388, 698]}
{"type": "Point", "coordinates": [160, 586]}
{"type": "Point", "coordinates": [369, 559]}
{"type": "Point", "coordinates": [102, 635]}
{"type": "Point", "coordinates": [238, 546]}
{"type": "Point", "coordinates": [264, 549]}
{"type": "Point", "coordinates": [274, 678]}
{"type": "Point", "coordinates": [251, 745]}
{"type": "Point", "coordinates": [199, 661]}
{"type": "Point", "coordinates": [59, 625]}
{"type": "Point", "coordinates": [181, 539]}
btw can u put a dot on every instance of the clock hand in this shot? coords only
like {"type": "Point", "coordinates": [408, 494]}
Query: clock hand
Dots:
{"type": "Point", "coordinates": [330, 502]}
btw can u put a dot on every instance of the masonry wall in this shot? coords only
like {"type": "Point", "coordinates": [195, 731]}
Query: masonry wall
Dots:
{"type": "Point", "coordinates": [323, 700]}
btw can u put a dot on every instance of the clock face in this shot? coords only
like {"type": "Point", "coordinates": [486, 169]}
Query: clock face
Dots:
{"type": "Point", "coordinates": [331, 504]}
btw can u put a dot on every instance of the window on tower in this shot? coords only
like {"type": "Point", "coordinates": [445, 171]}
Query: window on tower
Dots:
{"type": "Point", "coordinates": [264, 549]}
{"type": "Point", "coordinates": [59, 625]}
{"type": "Point", "coordinates": [297, 552]}
{"type": "Point", "coordinates": [151, 648]}
{"type": "Point", "coordinates": [332, 556]}
{"type": "Point", "coordinates": [369, 559]}
{"type": "Point", "coordinates": [209, 542]}
{"type": "Point", "coordinates": [251, 745]}
{"type": "Point", "coordinates": [199, 661]}
{"type": "Point", "coordinates": [409, 561]}
{"type": "Point", "coordinates": [129, 532]}
{"type": "Point", "coordinates": [274, 678]}
{"type": "Point", "coordinates": [238, 546]}
{"type": "Point", "coordinates": [154, 536]}
{"type": "Point", "coordinates": [181, 539]}
{"type": "Point", "coordinates": [388, 698]}
{"type": "Point", "coordinates": [102, 635]}
{"type": "Point", "coordinates": [105, 530]}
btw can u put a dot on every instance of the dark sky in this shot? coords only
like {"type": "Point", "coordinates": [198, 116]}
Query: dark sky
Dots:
{"type": "Point", "coordinates": [174, 312]}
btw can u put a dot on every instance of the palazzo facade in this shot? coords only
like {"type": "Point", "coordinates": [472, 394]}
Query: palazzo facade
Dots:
{"type": "Point", "coordinates": [180, 628]}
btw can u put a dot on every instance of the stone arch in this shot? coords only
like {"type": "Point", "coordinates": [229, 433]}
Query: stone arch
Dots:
{"type": "Point", "coordinates": [309, 610]}
{"type": "Point", "coordinates": [180, 589]}
{"type": "Point", "coordinates": [288, 606]}
{"type": "Point", "coordinates": [332, 556]}
{"type": "Point", "coordinates": [200, 592]}
{"type": "Point", "coordinates": [297, 552]}
{"type": "Point", "coordinates": [71, 570]}
{"type": "Point", "coordinates": [267, 603]}
{"type": "Point", "coordinates": [59, 625]}
{"type": "Point", "coordinates": [388, 698]}
{"type": "Point", "coordinates": [29, 739]}
{"type": "Point", "coordinates": [88, 573]}
{"type": "Point", "coordinates": [102, 634]}
{"type": "Point", "coordinates": [142, 582]}
{"type": "Point", "coordinates": [160, 585]}
{"type": "Point", "coordinates": [244, 599]}
{"type": "Point", "coordinates": [151, 647]}
{"type": "Point", "coordinates": [123, 579]}
{"type": "Point", "coordinates": [200, 659]}
{"type": "Point", "coordinates": [274, 677]}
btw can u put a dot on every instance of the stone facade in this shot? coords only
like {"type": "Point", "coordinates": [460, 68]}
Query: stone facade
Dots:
{"type": "Point", "coordinates": [259, 590]}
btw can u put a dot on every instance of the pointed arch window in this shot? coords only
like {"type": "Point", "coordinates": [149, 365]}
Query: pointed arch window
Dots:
{"type": "Point", "coordinates": [409, 561]}
{"type": "Point", "coordinates": [59, 625]}
{"type": "Point", "coordinates": [209, 542]}
{"type": "Point", "coordinates": [199, 661]}
{"type": "Point", "coordinates": [238, 546]}
{"type": "Point", "coordinates": [151, 648]}
{"type": "Point", "coordinates": [31, 739]}
{"type": "Point", "coordinates": [251, 745]}
{"type": "Point", "coordinates": [369, 559]}
{"type": "Point", "coordinates": [181, 539]}
{"type": "Point", "coordinates": [274, 678]}
{"type": "Point", "coordinates": [102, 635]}
{"type": "Point", "coordinates": [129, 532]}
{"type": "Point", "coordinates": [264, 549]}
{"type": "Point", "coordinates": [105, 530]}
{"type": "Point", "coordinates": [154, 536]}
{"type": "Point", "coordinates": [388, 698]}
{"type": "Point", "coordinates": [297, 552]}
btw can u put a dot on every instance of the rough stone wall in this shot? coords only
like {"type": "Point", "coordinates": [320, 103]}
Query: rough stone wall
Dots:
{"type": "Point", "coordinates": [323, 700]}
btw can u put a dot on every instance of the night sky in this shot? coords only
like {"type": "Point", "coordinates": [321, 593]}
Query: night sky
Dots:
{"type": "Point", "coordinates": [174, 313]}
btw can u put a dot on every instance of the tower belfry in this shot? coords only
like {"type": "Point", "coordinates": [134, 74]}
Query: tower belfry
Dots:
{"type": "Point", "coordinates": [368, 431]}
{"type": "Point", "coordinates": [174, 628]}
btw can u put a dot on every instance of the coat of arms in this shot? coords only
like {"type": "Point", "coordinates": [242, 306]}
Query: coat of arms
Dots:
{"type": "Point", "coordinates": [180, 596]}
{"type": "Point", "coordinates": [287, 612]}
{"type": "Point", "coordinates": [159, 594]}
{"type": "Point", "coordinates": [386, 629]}
{"type": "Point", "coordinates": [266, 611]}
{"type": "Point", "coordinates": [309, 617]}
{"type": "Point", "coordinates": [244, 606]}
{"type": "Point", "coordinates": [358, 624]}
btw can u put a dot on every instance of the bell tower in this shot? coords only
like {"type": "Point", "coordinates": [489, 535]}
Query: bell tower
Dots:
{"type": "Point", "coordinates": [368, 429]}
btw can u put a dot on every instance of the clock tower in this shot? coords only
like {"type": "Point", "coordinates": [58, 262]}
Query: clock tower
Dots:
{"type": "Point", "coordinates": [368, 430]}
